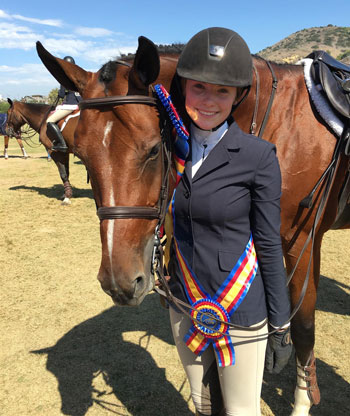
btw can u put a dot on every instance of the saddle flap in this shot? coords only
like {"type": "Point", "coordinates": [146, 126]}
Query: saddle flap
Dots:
{"type": "Point", "coordinates": [334, 77]}
{"type": "Point", "coordinates": [334, 90]}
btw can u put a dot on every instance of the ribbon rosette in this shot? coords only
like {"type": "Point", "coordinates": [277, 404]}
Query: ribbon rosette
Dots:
{"type": "Point", "coordinates": [210, 325]}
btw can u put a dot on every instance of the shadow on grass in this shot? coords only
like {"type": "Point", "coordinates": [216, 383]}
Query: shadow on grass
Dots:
{"type": "Point", "coordinates": [278, 390]}
{"type": "Point", "coordinates": [332, 297]}
{"type": "Point", "coordinates": [55, 191]}
{"type": "Point", "coordinates": [16, 157]}
{"type": "Point", "coordinates": [96, 347]}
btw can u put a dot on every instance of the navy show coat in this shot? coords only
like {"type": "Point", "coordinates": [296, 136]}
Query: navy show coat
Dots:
{"type": "Point", "coordinates": [69, 97]}
{"type": "Point", "coordinates": [235, 192]}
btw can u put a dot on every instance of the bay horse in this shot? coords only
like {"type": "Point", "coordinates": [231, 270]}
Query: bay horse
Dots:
{"type": "Point", "coordinates": [120, 139]}
{"type": "Point", "coordinates": [35, 116]}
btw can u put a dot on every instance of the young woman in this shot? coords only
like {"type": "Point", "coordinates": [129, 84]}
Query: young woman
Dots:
{"type": "Point", "coordinates": [226, 252]}
{"type": "Point", "coordinates": [69, 104]}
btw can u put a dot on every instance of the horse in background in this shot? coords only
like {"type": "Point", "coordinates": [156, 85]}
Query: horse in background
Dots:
{"type": "Point", "coordinates": [119, 139]}
{"type": "Point", "coordinates": [3, 121]}
{"type": "Point", "coordinates": [35, 116]}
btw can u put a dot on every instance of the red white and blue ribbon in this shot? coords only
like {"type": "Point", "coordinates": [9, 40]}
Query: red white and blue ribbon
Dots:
{"type": "Point", "coordinates": [181, 144]}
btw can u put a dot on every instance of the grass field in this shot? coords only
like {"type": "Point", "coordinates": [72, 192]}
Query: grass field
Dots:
{"type": "Point", "coordinates": [65, 350]}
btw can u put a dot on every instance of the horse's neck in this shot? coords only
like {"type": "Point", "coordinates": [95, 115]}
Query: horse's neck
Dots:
{"type": "Point", "coordinates": [255, 107]}
{"type": "Point", "coordinates": [35, 116]}
{"type": "Point", "coordinates": [167, 70]}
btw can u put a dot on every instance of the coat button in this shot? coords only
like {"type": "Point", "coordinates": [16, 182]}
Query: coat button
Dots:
{"type": "Point", "coordinates": [186, 194]}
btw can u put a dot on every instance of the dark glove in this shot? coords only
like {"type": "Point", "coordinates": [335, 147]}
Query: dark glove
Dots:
{"type": "Point", "coordinates": [278, 351]}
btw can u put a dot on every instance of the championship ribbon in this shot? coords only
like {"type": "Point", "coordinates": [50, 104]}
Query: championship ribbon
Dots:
{"type": "Point", "coordinates": [211, 315]}
{"type": "Point", "coordinates": [215, 312]}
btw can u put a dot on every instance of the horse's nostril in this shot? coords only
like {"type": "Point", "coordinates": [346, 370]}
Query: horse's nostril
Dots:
{"type": "Point", "coordinates": [139, 285]}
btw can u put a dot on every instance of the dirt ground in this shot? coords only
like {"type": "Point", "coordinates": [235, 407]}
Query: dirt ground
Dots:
{"type": "Point", "coordinates": [65, 350]}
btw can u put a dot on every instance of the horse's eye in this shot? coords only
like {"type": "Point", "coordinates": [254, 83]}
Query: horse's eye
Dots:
{"type": "Point", "coordinates": [154, 152]}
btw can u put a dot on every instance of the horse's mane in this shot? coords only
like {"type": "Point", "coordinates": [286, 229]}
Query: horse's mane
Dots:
{"type": "Point", "coordinates": [40, 106]}
{"type": "Point", "coordinates": [108, 72]}
{"type": "Point", "coordinates": [281, 64]}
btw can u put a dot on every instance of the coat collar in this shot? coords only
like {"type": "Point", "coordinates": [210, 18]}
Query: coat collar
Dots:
{"type": "Point", "coordinates": [220, 155]}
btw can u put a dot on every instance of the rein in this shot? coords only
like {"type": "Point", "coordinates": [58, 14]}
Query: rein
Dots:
{"type": "Point", "coordinates": [29, 132]}
{"type": "Point", "coordinates": [269, 105]}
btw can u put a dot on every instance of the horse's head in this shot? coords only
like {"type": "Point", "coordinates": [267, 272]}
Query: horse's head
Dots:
{"type": "Point", "coordinates": [119, 139]}
{"type": "Point", "coordinates": [14, 120]}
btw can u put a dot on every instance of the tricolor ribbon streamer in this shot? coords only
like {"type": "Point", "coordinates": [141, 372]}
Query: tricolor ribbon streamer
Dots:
{"type": "Point", "coordinates": [219, 307]}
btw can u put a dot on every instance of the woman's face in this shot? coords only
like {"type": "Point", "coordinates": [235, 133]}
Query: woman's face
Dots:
{"type": "Point", "coordinates": [208, 105]}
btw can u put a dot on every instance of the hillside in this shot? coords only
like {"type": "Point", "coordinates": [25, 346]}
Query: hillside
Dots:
{"type": "Point", "coordinates": [333, 39]}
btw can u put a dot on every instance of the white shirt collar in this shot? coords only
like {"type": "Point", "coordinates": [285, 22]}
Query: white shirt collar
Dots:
{"type": "Point", "coordinates": [203, 142]}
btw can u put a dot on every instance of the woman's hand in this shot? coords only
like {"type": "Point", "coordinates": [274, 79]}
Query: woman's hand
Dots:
{"type": "Point", "coordinates": [278, 351]}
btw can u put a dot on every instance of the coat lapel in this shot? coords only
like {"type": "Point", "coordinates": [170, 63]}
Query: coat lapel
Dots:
{"type": "Point", "coordinates": [221, 154]}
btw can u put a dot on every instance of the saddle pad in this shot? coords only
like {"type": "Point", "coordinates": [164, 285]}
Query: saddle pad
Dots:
{"type": "Point", "coordinates": [65, 121]}
{"type": "Point", "coordinates": [321, 103]}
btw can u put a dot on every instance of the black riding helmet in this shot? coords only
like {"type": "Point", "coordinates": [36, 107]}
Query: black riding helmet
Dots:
{"type": "Point", "coordinates": [217, 56]}
{"type": "Point", "coordinates": [69, 59]}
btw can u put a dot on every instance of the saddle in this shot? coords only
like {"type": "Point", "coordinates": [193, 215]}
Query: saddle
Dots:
{"type": "Point", "coordinates": [334, 77]}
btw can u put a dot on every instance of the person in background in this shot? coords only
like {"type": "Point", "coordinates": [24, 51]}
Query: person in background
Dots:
{"type": "Point", "coordinates": [3, 119]}
{"type": "Point", "coordinates": [226, 255]}
{"type": "Point", "coordinates": [69, 104]}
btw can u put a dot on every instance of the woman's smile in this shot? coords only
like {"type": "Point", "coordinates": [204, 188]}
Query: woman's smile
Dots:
{"type": "Point", "coordinates": [209, 105]}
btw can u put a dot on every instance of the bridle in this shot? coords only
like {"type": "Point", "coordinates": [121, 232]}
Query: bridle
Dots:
{"type": "Point", "coordinates": [142, 212]}
{"type": "Point", "coordinates": [9, 129]}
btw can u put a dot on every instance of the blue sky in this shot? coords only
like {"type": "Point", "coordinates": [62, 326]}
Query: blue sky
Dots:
{"type": "Point", "coordinates": [94, 32]}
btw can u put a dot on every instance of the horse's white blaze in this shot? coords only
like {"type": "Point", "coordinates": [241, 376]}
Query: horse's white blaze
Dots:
{"type": "Point", "coordinates": [110, 233]}
{"type": "Point", "coordinates": [302, 403]}
{"type": "Point", "coordinates": [106, 132]}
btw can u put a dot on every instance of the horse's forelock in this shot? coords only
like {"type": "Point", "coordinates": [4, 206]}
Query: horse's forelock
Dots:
{"type": "Point", "coordinates": [107, 73]}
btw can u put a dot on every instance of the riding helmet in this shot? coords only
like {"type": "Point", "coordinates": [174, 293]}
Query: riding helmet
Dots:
{"type": "Point", "coordinates": [217, 56]}
{"type": "Point", "coordinates": [69, 59]}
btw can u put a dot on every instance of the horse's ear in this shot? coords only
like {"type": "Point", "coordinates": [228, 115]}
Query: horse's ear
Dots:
{"type": "Point", "coordinates": [71, 76]}
{"type": "Point", "coordinates": [10, 102]}
{"type": "Point", "coordinates": [146, 63]}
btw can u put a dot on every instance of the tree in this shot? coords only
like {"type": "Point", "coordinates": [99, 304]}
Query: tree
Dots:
{"type": "Point", "coordinates": [4, 106]}
{"type": "Point", "coordinates": [52, 97]}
